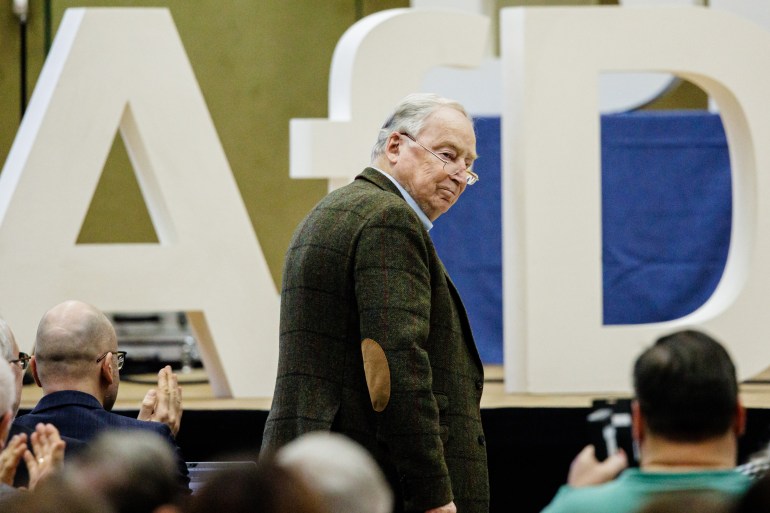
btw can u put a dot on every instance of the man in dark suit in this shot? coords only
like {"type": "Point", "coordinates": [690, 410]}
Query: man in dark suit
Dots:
{"type": "Point", "coordinates": [374, 340]}
{"type": "Point", "coordinates": [77, 364]}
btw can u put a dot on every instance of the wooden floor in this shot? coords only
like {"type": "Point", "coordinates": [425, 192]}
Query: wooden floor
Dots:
{"type": "Point", "coordinates": [197, 394]}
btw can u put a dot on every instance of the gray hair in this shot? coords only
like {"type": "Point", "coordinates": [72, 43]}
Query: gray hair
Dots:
{"type": "Point", "coordinates": [6, 341]}
{"type": "Point", "coordinates": [340, 470]}
{"type": "Point", "coordinates": [134, 470]}
{"type": "Point", "coordinates": [409, 116]}
{"type": "Point", "coordinates": [7, 388]}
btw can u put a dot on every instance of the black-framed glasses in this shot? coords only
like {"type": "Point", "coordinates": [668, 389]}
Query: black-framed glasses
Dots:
{"type": "Point", "coordinates": [120, 354]}
{"type": "Point", "coordinates": [450, 168]}
{"type": "Point", "coordinates": [22, 361]}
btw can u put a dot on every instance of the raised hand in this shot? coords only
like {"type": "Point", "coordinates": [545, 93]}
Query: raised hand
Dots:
{"type": "Point", "coordinates": [11, 457]}
{"type": "Point", "coordinates": [164, 404]}
{"type": "Point", "coordinates": [586, 470]}
{"type": "Point", "coordinates": [47, 455]}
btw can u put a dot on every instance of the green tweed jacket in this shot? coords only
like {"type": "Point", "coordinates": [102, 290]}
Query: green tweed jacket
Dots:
{"type": "Point", "coordinates": [375, 343]}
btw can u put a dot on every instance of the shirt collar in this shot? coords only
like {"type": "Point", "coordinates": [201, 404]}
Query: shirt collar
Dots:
{"type": "Point", "coordinates": [409, 199]}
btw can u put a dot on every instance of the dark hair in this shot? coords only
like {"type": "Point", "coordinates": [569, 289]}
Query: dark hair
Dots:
{"type": "Point", "coordinates": [686, 387]}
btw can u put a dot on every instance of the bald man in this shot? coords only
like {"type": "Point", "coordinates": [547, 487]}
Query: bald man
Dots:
{"type": "Point", "coordinates": [77, 363]}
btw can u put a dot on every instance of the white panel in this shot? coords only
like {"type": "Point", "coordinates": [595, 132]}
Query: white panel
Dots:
{"type": "Point", "coordinates": [378, 61]}
{"type": "Point", "coordinates": [554, 337]}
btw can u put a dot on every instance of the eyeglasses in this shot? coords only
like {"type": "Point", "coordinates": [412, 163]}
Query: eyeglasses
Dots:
{"type": "Point", "coordinates": [450, 168]}
{"type": "Point", "coordinates": [120, 354]}
{"type": "Point", "coordinates": [22, 361]}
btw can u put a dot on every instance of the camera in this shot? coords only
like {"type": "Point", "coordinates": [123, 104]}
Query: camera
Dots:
{"type": "Point", "coordinates": [609, 427]}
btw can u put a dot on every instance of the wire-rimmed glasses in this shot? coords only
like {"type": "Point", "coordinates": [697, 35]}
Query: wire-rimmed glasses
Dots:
{"type": "Point", "coordinates": [450, 168]}
{"type": "Point", "coordinates": [22, 361]}
{"type": "Point", "coordinates": [120, 354]}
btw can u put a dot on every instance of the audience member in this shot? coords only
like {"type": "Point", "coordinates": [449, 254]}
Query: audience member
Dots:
{"type": "Point", "coordinates": [266, 488]}
{"type": "Point", "coordinates": [77, 363]}
{"type": "Point", "coordinates": [47, 445]}
{"type": "Point", "coordinates": [7, 393]}
{"type": "Point", "coordinates": [135, 471]}
{"type": "Point", "coordinates": [19, 361]}
{"type": "Point", "coordinates": [687, 418]}
{"type": "Point", "coordinates": [342, 472]}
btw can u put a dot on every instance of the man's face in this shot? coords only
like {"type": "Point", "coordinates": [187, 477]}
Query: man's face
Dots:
{"type": "Point", "coordinates": [448, 134]}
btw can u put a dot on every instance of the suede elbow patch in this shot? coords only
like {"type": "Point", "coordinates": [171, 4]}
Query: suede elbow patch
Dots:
{"type": "Point", "coordinates": [377, 373]}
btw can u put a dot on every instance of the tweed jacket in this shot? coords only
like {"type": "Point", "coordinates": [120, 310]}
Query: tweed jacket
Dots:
{"type": "Point", "coordinates": [375, 343]}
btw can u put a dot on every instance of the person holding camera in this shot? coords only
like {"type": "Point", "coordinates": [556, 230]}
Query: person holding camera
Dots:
{"type": "Point", "coordinates": [686, 420]}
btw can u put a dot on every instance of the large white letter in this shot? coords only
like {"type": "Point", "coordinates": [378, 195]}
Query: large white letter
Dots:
{"type": "Point", "coordinates": [126, 69]}
{"type": "Point", "coordinates": [554, 337]}
{"type": "Point", "coordinates": [378, 61]}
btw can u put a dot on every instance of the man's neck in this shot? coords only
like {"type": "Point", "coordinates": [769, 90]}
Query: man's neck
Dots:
{"type": "Point", "coordinates": [663, 455]}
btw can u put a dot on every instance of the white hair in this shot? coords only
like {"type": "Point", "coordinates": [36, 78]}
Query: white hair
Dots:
{"type": "Point", "coordinates": [6, 340]}
{"type": "Point", "coordinates": [7, 387]}
{"type": "Point", "coordinates": [409, 117]}
{"type": "Point", "coordinates": [340, 470]}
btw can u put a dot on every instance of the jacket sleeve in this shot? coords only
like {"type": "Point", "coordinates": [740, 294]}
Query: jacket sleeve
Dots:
{"type": "Point", "coordinates": [393, 291]}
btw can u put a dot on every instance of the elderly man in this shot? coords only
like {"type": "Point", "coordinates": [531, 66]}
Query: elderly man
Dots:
{"type": "Point", "coordinates": [7, 393]}
{"type": "Point", "coordinates": [687, 418]}
{"type": "Point", "coordinates": [48, 447]}
{"type": "Point", "coordinates": [19, 361]}
{"type": "Point", "coordinates": [77, 364]}
{"type": "Point", "coordinates": [375, 342]}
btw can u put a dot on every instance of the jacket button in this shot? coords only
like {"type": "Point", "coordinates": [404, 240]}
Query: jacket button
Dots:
{"type": "Point", "coordinates": [479, 384]}
{"type": "Point", "coordinates": [482, 440]}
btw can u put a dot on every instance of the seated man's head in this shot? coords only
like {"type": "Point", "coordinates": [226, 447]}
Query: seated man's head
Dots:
{"type": "Point", "coordinates": [345, 475]}
{"type": "Point", "coordinates": [76, 348]}
{"type": "Point", "coordinates": [686, 389]}
{"type": "Point", "coordinates": [9, 350]}
{"type": "Point", "coordinates": [7, 397]}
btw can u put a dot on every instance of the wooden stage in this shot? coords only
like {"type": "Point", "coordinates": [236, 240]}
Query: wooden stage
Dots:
{"type": "Point", "coordinates": [197, 394]}
{"type": "Point", "coordinates": [531, 439]}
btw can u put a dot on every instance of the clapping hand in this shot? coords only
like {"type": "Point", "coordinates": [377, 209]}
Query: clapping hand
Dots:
{"type": "Point", "coordinates": [164, 404]}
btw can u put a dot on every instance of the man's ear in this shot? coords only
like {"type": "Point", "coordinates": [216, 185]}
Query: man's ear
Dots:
{"type": "Point", "coordinates": [739, 427]}
{"type": "Point", "coordinates": [393, 147]}
{"type": "Point", "coordinates": [637, 421]}
{"type": "Point", "coordinates": [106, 369]}
{"type": "Point", "coordinates": [33, 369]}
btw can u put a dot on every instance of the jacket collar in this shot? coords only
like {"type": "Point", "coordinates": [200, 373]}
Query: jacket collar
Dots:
{"type": "Point", "coordinates": [377, 178]}
{"type": "Point", "coordinates": [66, 398]}
{"type": "Point", "coordinates": [386, 182]}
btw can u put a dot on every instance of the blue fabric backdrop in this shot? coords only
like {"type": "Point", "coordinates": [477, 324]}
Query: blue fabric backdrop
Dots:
{"type": "Point", "coordinates": [666, 213]}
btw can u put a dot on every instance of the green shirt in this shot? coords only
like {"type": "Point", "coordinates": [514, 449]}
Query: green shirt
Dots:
{"type": "Point", "coordinates": [633, 488]}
